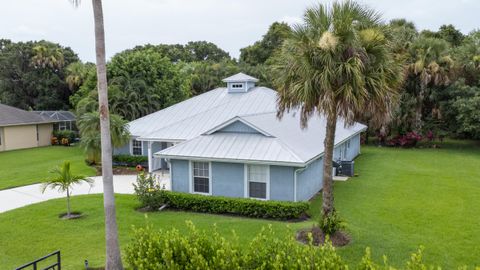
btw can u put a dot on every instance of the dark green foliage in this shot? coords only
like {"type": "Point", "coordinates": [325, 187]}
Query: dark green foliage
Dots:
{"type": "Point", "coordinates": [129, 160]}
{"type": "Point", "coordinates": [194, 249]}
{"type": "Point", "coordinates": [32, 74]}
{"type": "Point", "coordinates": [331, 223]}
{"type": "Point", "coordinates": [263, 49]}
{"type": "Point", "coordinates": [67, 134]}
{"type": "Point", "coordinates": [153, 197]}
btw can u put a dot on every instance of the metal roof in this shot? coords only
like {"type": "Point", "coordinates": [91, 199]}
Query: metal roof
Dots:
{"type": "Point", "coordinates": [240, 77]}
{"type": "Point", "coordinates": [11, 116]}
{"type": "Point", "coordinates": [192, 117]}
{"type": "Point", "coordinates": [58, 115]}
{"type": "Point", "coordinates": [290, 143]}
{"type": "Point", "coordinates": [234, 147]}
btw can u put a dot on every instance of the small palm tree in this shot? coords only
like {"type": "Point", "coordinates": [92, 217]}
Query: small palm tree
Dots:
{"type": "Point", "coordinates": [338, 63]}
{"type": "Point", "coordinates": [64, 181]}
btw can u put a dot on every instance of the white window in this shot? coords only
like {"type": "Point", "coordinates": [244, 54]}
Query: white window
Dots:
{"type": "Point", "coordinates": [257, 182]}
{"type": "Point", "coordinates": [237, 85]}
{"type": "Point", "coordinates": [62, 125]}
{"type": "Point", "coordinates": [137, 149]}
{"type": "Point", "coordinates": [201, 177]}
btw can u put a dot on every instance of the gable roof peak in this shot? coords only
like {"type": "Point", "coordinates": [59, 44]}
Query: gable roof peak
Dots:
{"type": "Point", "coordinates": [240, 77]}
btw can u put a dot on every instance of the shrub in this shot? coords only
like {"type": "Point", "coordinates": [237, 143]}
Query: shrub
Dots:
{"type": "Point", "coordinates": [193, 249]}
{"type": "Point", "coordinates": [410, 139]}
{"type": "Point", "coordinates": [128, 160]}
{"type": "Point", "coordinates": [63, 137]}
{"type": "Point", "coordinates": [331, 223]}
{"type": "Point", "coordinates": [151, 195]}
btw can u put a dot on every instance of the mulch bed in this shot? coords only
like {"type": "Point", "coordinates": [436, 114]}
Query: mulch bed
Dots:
{"type": "Point", "coordinates": [338, 239]}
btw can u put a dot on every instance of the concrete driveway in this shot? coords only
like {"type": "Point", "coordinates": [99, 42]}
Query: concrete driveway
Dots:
{"type": "Point", "coordinates": [17, 197]}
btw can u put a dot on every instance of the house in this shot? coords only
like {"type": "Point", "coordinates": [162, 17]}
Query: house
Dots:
{"type": "Point", "coordinates": [23, 129]}
{"type": "Point", "coordinates": [229, 142]}
{"type": "Point", "coordinates": [66, 120]}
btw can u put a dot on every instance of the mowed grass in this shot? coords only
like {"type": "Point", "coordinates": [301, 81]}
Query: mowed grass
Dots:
{"type": "Point", "coordinates": [402, 198]}
{"type": "Point", "coordinates": [30, 166]}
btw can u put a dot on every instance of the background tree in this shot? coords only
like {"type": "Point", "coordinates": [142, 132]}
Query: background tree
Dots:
{"type": "Point", "coordinates": [32, 75]}
{"type": "Point", "coordinates": [262, 50]}
{"type": "Point", "coordinates": [337, 63]}
{"type": "Point", "coordinates": [63, 181]}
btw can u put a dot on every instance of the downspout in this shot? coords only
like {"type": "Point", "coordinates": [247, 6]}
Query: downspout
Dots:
{"type": "Point", "coordinates": [150, 161]}
{"type": "Point", "coordinates": [295, 182]}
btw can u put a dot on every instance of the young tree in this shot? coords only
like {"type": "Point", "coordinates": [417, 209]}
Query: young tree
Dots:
{"type": "Point", "coordinates": [337, 63]}
{"type": "Point", "coordinates": [64, 181]}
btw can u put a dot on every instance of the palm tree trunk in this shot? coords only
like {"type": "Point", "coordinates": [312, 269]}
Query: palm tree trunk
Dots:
{"type": "Point", "coordinates": [68, 203]}
{"type": "Point", "coordinates": [327, 189]}
{"type": "Point", "coordinates": [113, 257]}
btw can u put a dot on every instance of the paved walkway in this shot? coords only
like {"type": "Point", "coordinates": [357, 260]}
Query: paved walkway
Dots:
{"type": "Point", "coordinates": [17, 197]}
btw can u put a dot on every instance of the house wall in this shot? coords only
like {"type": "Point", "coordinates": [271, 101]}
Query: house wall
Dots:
{"type": "Point", "coordinates": [352, 149]}
{"type": "Point", "coordinates": [2, 141]}
{"type": "Point", "coordinates": [45, 134]}
{"type": "Point", "coordinates": [310, 180]}
{"type": "Point", "coordinates": [228, 179]}
{"type": "Point", "coordinates": [180, 174]}
{"type": "Point", "coordinates": [281, 183]}
{"type": "Point", "coordinates": [18, 137]}
{"type": "Point", "coordinates": [238, 127]}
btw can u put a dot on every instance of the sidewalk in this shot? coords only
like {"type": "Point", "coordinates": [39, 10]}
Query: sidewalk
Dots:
{"type": "Point", "coordinates": [17, 197]}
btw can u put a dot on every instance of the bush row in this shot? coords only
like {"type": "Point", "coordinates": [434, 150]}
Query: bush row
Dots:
{"type": "Point", "coordinates": [156, 249]}
{"type": "Point", "coordinates": [153, 196]}
{"type": "Point", "coordinates": [130, 161]}
{"type": "Point", "coordinates": [63, 137]}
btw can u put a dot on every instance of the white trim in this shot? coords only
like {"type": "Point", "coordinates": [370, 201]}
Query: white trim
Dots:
{"type": "Point", "coordinates": [258, 162]}
{"type": "Point", "coordinates": [245, 180]}
{"type": "Point", "coordinates": [233, 120]}
{"type": "Point", "coordinates": [267, 182]}
{"type": "Point", "coordinates": [210, 187]}
{"type": "Point", "coordinates": [150, 157]}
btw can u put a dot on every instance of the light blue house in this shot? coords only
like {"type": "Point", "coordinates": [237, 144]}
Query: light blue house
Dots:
{"type": "Point", "coordinates": [229, 142]}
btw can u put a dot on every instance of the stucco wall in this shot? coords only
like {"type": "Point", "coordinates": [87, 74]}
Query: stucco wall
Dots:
{"type": "Point", "coordinates": [310, 180]}
{"type": "Point", "coordinates": [180, 175]}
{"type": "Point", "coordinates": [228, 179]}
{"type": "Point", "coordinates": [281, 183]}
{"type": "Point", "coordinates": [45, 134]}
{"type": "Point", "coordinates": [17, 137]}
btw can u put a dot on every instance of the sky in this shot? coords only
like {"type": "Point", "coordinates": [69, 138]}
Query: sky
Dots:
{"type": "Point", "coordinates": [231, 24]}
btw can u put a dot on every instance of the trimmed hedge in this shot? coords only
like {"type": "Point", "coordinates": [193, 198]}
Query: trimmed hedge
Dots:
{"type": "Point", "coordinates": [151, 195]}
{"type": "Point", "coordinates": [129, 161]}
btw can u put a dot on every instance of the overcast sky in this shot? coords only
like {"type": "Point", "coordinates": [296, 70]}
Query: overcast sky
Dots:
{"type": "Point", "coordinates": [231, 24]}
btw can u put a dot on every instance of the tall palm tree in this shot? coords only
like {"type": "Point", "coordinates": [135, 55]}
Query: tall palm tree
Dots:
{"type": "Point", "coordinates": [430, 66]}
{"type": "Point", "coordinates": [64, 180]}
{"type": "Point", "coordinates": [113, 257]}
{"type": "Point", "coordinates": [337, 63]}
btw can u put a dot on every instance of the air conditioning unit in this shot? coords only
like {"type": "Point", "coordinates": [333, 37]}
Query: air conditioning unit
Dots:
{"type": "Point", "coordinates": [347, 168]}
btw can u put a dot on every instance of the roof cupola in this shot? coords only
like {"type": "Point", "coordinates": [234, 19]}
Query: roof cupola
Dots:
{"type": "Point", "coordinates": [240, 83]}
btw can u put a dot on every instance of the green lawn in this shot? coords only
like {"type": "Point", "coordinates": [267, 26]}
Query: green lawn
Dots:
{"type": "Point", "coordinates": [29, 166]}
{"type": "Point", "coordinates": [401, 200]}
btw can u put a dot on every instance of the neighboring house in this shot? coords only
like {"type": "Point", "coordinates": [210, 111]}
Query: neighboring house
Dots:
{"type": "Point", "coordinates": [229, 142]}
{"type": "Point", "coordinates": [23, 129]}
{"type": "Point", "coordinates": [65, 119]}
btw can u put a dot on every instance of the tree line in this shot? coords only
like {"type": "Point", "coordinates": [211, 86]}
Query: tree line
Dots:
{"type": "Point", "coordinates": [440, 93]}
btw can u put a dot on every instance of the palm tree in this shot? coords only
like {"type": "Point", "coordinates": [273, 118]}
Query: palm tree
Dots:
{"type": "Point", "coordinates": [430, 66]}
{"type": "Point", "coordinates": [113, 259]}
{"type": "Point", "coordinates": [89, 127]}
{"type": "Point", "coordinates": [64, 181]}
{"type": "Point", "coordinates": [337, 63]}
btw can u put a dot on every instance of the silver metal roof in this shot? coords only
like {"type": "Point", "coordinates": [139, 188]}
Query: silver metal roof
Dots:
{"type": "Point", "coordinates": [288, 143]}
{"type": "Point", "coordinates": [192, 117]}
{"type": "Point", "coordinates": [240, 77]}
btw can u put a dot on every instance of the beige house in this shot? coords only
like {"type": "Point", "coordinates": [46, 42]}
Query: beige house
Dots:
{"type": "Point", "coordinates": [22, 129]}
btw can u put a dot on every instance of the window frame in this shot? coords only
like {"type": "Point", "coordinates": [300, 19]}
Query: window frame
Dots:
{"type": "Point", "coordinates": [247, 182]}
{"type": "Point", "coordinates": [132, 147]}
{"type": "Point", "coordinates": [192, 177]}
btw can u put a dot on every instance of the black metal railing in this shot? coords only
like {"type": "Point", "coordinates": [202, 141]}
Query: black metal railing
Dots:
{"type": "Point", "coordinates": [35, 264]}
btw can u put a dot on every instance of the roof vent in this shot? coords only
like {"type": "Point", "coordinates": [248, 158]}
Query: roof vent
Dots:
{"type": "Point", "coordinates": [240, 83]}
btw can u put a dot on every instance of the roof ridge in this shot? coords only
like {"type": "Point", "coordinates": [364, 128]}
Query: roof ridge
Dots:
{"type": "Point", "coordinates": [289, 149]}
